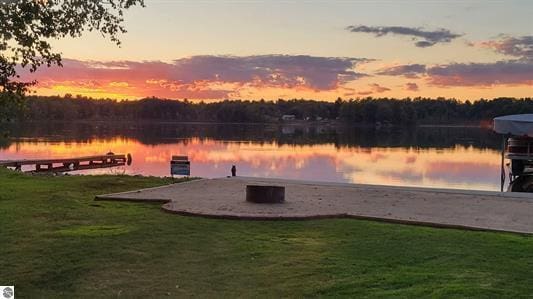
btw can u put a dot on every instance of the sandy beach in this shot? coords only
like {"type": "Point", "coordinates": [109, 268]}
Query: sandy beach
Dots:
{"type": "Point", "coordinates": [225, 198]}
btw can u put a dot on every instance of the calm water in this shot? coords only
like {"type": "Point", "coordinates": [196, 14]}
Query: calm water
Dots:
{"type": "Point", "coordinates": [429, 157]}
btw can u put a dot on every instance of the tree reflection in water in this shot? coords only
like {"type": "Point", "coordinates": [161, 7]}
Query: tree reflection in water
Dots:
{"type": "Point", "coordinates": [457, 157]}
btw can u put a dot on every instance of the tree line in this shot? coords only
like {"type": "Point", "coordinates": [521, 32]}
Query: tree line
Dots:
{"type": "Point", "coordinates": [392, 111]}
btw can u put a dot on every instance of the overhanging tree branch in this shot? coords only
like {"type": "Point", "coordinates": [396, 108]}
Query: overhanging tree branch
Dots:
{"type": "Point", "coordinates": [29, 25]}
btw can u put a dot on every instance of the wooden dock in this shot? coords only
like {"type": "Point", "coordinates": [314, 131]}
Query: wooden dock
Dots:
{"type": "Point", "coordinates": [69, 164]}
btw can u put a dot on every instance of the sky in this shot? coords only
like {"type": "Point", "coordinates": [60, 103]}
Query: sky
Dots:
{"type": "Point", "coordinates": [213, 50]}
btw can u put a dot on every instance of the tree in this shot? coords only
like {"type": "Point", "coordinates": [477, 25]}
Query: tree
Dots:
{"type": "Point", "coordinates": [29, 25]}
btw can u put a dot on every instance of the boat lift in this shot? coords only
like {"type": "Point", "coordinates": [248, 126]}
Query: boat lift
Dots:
{"type": "Point", "coordinates": [517, 145]}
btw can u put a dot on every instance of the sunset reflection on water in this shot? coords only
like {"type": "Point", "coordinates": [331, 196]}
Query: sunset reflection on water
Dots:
{"type": "Point", "coordinates": [459, 166]}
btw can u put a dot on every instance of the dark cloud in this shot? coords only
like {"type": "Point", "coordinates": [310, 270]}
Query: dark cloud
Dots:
{"type": "Point", "coordinates": [509, 72]}
{"type": "Point", "coordinates": [482, 74]}
{"type": "Point", "coordinates": [408, 70]}
{"type": "Point", "coordinates": [422, 38]}
{"type": "Point", "coordinates": [520, 47]}
{"type": "Point", "coordinates": [424, 44]}
{"type": "Point", "coordinates": [319, 73]}
{"type": "Point", "coordinates": [411, 86]}
{"type": "Point", "coordinates": [197, 74]}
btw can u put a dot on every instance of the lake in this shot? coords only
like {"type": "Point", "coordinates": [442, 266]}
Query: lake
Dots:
{"type": "Point", "coordinates": [449, 157]}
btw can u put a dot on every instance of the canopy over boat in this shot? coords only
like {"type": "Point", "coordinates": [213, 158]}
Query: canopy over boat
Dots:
{"type": "Point", "coordinates": [517, 124]}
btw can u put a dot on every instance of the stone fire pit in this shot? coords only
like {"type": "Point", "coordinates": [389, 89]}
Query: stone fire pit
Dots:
{"type": "Point", "coordinates": [265, 194]}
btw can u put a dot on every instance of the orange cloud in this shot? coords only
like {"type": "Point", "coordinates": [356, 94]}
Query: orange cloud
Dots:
{"type": "Point", "coordinates": [199, 77]}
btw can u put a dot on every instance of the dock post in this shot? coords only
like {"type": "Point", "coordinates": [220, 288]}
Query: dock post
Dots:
{"type": "Point", "coordinates": [502, 169]}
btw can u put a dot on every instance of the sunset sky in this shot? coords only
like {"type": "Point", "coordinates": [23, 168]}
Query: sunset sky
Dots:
{"type": "Point", "coordinates": [211, 50]}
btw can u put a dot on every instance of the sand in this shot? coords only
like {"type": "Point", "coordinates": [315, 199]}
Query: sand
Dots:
{"type": "Point", "coordinates": [225, 198]}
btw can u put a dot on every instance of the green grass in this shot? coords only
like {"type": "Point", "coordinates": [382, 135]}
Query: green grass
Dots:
{"type": "Point", "coordinates": [56, 241]}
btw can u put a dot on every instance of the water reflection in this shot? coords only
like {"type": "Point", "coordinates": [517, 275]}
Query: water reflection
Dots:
{"type": "Point", "coordinates": [431, 157]}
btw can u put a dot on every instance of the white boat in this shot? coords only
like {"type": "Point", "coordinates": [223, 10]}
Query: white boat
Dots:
{"type": "Point", "coordinates": [517, 145]}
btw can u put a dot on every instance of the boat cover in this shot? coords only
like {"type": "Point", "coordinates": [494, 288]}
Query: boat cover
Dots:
{"type": "Point", "coordinates": [517, 124]}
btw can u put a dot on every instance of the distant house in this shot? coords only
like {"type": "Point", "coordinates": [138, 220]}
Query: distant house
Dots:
{"type": "Point", "coordinates": [287, 117]}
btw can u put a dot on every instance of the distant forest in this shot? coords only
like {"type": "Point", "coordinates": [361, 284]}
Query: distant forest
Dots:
{"type": "Point", "coordinates": [360, 111]}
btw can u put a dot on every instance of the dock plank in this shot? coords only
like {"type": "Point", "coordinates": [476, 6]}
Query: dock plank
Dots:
{"type": "Point", "coordinates": [14, 163]}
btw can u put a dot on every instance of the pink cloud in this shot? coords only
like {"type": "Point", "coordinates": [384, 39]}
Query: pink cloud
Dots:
{"type": "Point", "coordinates": [508, 72]}
{"type": "Point", "coordinates": [204, 76]}
{"type": "Point", "coordinates": [482, 74]}
{"type": "Point", "coordinates": [521, 47]}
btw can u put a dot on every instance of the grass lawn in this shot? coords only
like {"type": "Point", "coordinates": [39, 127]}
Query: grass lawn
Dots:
{"type": "Point", "coordinates": [55, 241]}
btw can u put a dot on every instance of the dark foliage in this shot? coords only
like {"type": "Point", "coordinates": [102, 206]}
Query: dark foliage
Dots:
{"type": "Point", "coordinates": [361, 111]}
{"type": "Point", "coordinates": [27, 28]}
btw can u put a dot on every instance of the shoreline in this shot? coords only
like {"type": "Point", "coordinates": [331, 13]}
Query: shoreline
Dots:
{"type": "Point", "coordinates": [334, 123]}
